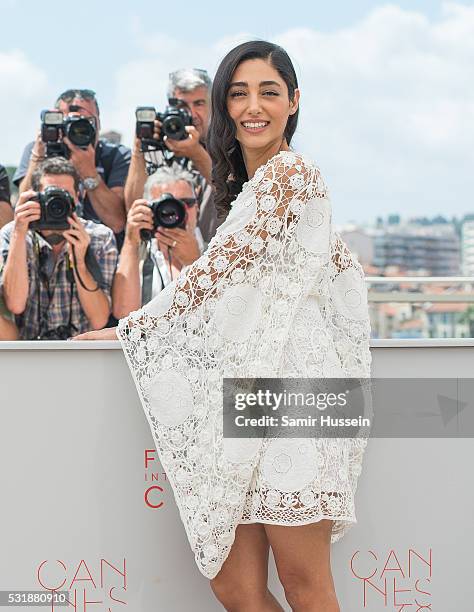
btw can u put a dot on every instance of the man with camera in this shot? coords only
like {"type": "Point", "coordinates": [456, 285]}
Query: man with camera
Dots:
{"type": "Point", "coordinates": [6, 212]}
{"type": "Point", "coordinates": [101, 166]}
{"type": "Point", "coordinates": [189, 94]}
{"type": "Point", "coordinates": [58, 268]}
{"type": "Point", "coordinates": [161, 238]}
{"type": "Point", "coordinates": [8, 329]}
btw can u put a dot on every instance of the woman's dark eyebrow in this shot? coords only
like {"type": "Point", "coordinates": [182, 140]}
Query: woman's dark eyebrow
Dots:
{"type": "Point", "coordinates": [262, 84]}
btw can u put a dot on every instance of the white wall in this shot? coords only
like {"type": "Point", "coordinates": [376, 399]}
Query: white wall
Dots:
{"type": "Point", "coordinates": [72, 477]}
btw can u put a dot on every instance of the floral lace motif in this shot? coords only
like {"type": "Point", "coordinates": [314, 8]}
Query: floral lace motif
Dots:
{"type": "Point", "coordinates": [276, 294]}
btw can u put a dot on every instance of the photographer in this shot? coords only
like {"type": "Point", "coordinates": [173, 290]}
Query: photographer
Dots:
{"type": "Point", "coordinates": [8, 329]}
{"type": "Point", "coordinates": [56, 281]}
{"type": "Point", "coordinates": [191, 87]}
{"type": "Point", "coordinates": [102, 166]}
{"type": "Point", "coordinates": [6, 212]}
{"type": "Point", "coordinates": [170, 249]}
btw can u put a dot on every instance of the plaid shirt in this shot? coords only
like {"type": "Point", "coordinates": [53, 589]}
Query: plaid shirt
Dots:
{"type": "Point", "coordinates": [55, 288]}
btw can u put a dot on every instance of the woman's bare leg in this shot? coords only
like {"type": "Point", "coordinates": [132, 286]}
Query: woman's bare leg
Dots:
{"type": "Point", "coordinates": [302, 558]}
{"type": "Point", "coordinates": [241, 584]}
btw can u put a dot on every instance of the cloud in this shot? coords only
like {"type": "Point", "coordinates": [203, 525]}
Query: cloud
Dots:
{"type": "Point", "coordinates": [28, 90]}
{"type": "Point", "coordinates": [387, 108]}
{"type": "Point", "coordinates": [387, 105]}
{"type": "Point", "coordinates": [144, 81]}
{"type": "Point", "coordinates": [388, 111]}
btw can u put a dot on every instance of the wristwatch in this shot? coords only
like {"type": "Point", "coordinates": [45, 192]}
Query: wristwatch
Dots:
{"type": "Point", "coordinates": [91, 182]}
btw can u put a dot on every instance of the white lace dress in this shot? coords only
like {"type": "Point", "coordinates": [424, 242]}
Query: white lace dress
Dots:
{"type": "Point", "coordinates": [277, 294]}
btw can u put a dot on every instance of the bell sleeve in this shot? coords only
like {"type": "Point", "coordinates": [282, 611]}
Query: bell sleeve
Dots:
{"type": "Point", "coordinates": [228, 314]}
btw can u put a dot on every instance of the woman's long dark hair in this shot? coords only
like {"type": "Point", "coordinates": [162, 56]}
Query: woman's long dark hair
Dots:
{"type": "Point", "coordinates": [228, 168]}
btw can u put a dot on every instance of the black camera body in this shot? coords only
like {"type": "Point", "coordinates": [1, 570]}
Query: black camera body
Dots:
{"type": "Point", "coordinates": [63, 332]}
{"type": "Point", "coordinates": [173, 124]}
{"type": "Point", "coordinates": [168, 212]}
{"type": "Point", "coordinates": [56, 206]}
{"type": "Point", "coordinates": [80, 130]}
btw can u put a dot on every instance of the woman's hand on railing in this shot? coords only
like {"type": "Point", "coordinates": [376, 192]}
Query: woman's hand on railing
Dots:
{"type": "Point", "coordinates": [108, 333]}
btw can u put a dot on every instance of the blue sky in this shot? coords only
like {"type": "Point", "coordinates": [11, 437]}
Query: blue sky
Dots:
{"type": "Point", "coordinates": [96, 36]}
{"type": "Point", "coordinates": [387, 93]}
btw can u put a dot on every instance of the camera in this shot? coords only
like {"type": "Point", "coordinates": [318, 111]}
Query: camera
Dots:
{"type": "Point", "coordinates": [80, 130]}
{"type": "Point", "coordinates": [173, 124]}
{"type": "Point", "coordinates": [168, 212]}
{"type": "Point", "coordinates": [63, 332]}
{"type": "Point", "coordinates": [56, 206]}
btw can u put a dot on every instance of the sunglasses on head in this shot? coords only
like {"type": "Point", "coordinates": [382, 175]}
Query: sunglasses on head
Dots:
{"type": "Point", "coordinates": [84, 94]}
{"type": "Point", "coordinates": [70, 94]}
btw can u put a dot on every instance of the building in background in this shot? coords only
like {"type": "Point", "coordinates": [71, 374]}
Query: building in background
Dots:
{"type": "Point", "coordinates": [467, 245]}
{"type": "Point", "coordinates": [435, 250]}
{"type": "Point", "coordinates": [412, 328]}
{"type": "Point", "coordinates": [447, 320]}
{"type": "Point", "coordinates": [419, 246]}
{"type": "Point", "coordinates": [360, 242]}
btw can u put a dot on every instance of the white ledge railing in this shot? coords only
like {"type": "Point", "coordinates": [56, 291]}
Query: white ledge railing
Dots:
{"type": "Point", "coordinates": [465, 296]}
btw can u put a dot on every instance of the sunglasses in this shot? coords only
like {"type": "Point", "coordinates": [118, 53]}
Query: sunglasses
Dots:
{"type": "Point", "coordinates": [189, 201]}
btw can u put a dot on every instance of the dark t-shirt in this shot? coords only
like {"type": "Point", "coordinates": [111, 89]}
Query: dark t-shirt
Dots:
{"type": "Point", "coordinates": [111, 160]}
{"type": "Point", "coordinates": [4, 185]}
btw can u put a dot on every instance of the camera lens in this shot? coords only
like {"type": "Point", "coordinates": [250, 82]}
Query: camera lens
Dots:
{"type": "Point", "coordinates": [173, 127]}
{"type": "Point", "coordinates": [169, 213]}
{"type": "Point", "coordinates": [58, 208]}
{"type": "Point", "coordinates": [81, 132]}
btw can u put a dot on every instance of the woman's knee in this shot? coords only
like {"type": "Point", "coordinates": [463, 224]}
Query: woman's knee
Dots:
{"type": "Point", "coordinates": [297, 588]}
{"type": "Point", "coordinates": [302, 592]}
{"type": "Point", "coordinates": [236, 595]}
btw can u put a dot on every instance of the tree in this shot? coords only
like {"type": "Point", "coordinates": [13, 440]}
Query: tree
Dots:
{"type": "Point", "coordinates": [468, 317]}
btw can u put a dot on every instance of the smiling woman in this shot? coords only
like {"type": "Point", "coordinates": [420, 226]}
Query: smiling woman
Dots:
{"type": "Point", "coordinates": [259, 93]}
{"type": "Point", "coordinates": [262, 301]}
{"type": "Point", "coordinates": [273, 296]}
{"type": "Point", "coordinates": [244, 100]}
{"type": "Point", "coordinates": [260, 110]}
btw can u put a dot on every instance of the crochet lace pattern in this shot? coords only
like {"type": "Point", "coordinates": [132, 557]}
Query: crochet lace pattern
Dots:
{"type": "Point", "coordinates": [277, 294]}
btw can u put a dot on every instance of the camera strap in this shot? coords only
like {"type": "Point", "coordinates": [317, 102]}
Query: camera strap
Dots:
{"type": "Point", "coordinates": [42, 277]}
{"type": "Point", "coordinates": [169, 263]}
{"type": "Point", "coordinates": [149, 265]}
{"type": "Point", "coordinates": [38, 284]}
{"type": "Point", "coordinates": [147, 276]}
{"type": "Point", "coordinates": [93, 268]}
{"type": "Point", "coordinates": [70, 277]}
